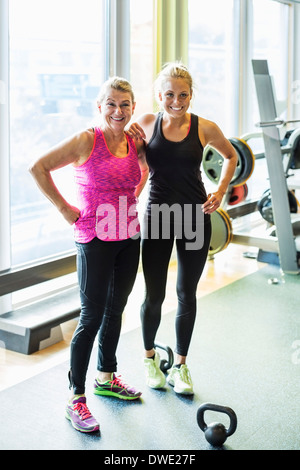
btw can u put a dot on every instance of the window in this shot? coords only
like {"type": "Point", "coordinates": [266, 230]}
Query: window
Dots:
{"type": "Point", "coordinates": [269, 33]}
{"type": "Point", "coordinates": [57, 63]}
{"type": "Point", "coordinates": [141, 54]}
{"type": "Point", "coordinates": [223, 40]}
{"type": "Point", "coordinates": [141, 64]}
{"type": "Point", "coordinates": [270, 42]}
{"type": "Point", "coordinates": [56, 69]}
{"type": "Point", "coordinates": [211, 47]}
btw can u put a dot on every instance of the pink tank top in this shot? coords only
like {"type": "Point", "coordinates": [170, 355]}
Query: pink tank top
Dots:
{"type": "Point", "coordinates": [105, 191]}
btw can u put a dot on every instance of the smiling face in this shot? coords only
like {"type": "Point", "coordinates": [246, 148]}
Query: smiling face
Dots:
{"type": "Point", "coordinates": [116, 109]}
{"type": "Point", "coordinates": [175, 96]}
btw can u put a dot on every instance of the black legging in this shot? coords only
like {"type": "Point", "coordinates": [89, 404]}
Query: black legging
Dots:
{"type": "Point", "coordinates": [106, 274]}
{"type": "Point", "coordinates": [155, 257]}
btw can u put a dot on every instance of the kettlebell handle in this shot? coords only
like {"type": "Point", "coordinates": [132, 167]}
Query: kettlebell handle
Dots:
{"type": "Point", "coordinates": [165, 364]}
{"type": "Point", "coordinates": [219, 408]}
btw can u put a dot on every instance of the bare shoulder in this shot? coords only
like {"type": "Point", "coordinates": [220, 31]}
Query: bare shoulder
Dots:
{"type": "Point", "coordinates": [207, 126]}
{"type": "Point", "coordinates": [211, 134]}
{"type": "Point", "coordinates": [147, 121]}
{"type": "Point", "coordinates": [208, 131]}
{"type": "Point", "coordinates": [85, 138]}
{"type": "Point", "coordinates": [83, 142]}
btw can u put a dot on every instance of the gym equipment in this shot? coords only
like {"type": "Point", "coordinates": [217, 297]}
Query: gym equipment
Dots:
{"type": "Point", "coordinates": [165, 364]}
{"type": "Point", "coordinates": [247, 160]}
{"type": "Point", "coordinates": [281, 242]}
{"type": "Point", "coordinates": [295, 157]}
{"type": "Point", "coordinates": [268, 243]}
{"type": "Point", "coordinates": [221, 231]}
{"type": "Point", "coordinates": [238, 194]}
{"type": "Point", "coordinates": [216, 433]}
{"type": "Point", "coordinates": [286, 245]}
{"type": "Point", "coordinates": [265, 205]}
{"type": "Point", "coordinates": [212, 162]}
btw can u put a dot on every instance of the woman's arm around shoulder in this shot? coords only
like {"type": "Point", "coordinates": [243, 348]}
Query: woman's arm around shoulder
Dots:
{"type": "Point", "coordinates": [141, 150]}
{"type": "Point", "coordinates": [210, 134]}
{"type": "Point", "coordinates": [143, 127]}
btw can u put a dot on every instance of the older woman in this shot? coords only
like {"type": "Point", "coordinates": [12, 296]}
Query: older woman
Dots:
{"type": "Point", "coordinates": [110, 171]}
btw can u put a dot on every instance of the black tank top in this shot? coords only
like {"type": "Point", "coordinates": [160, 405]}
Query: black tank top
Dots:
{"type": "Point", "coordinates": [174, 167]}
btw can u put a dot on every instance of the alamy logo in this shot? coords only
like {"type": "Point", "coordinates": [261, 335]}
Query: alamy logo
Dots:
{"type": "Point", "coordinates": [164, 220]}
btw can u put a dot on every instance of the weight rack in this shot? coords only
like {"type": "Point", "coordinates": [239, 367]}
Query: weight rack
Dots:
{"type": "Point", "coordinates": [281, 241]}
{"type": "Point", "coordinates": [284, 242]}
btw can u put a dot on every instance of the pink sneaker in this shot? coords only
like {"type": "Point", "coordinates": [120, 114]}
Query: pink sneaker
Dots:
{"type": "Point", "coordinates": [80, 416]}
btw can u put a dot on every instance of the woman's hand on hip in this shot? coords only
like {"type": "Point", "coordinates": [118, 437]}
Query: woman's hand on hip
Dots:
{"type": "Point", "coordinates": [213, 202]}
{"type": "Point", "coordinates": [70, 213]}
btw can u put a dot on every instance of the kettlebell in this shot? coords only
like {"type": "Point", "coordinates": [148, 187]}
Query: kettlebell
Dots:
{"type": "Point", "coordinates": [216, 433]}
{"type": "Point", "coordinates": [165, 364]}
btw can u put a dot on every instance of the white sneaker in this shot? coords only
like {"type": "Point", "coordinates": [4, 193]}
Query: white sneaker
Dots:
{"type": "Point", "coordinates": [155, 378]}
{"type": "Point", "coordinates": [180, 379]}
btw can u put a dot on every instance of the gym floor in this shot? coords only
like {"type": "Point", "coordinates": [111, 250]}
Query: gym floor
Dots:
{"type": "Point", "coordinates": [240, 360]}
{"type": "Point", "coordinates": [226, 267]}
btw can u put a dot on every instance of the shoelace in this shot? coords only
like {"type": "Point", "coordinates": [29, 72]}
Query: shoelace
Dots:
{"type": "Point", "coordinates": [151, 366]}
{"type": "Point", "coordinates": [185, 375]}
{"type": "Point", "coordinates": [83, 410]}
{"type": "Point", "coordinates": [118, 382]}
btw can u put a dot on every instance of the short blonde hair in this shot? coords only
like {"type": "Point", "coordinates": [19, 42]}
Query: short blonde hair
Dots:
{"type": "Point", "coordinates": [172, 70]}
{"type": "Point", "coordinates": [117, 83]}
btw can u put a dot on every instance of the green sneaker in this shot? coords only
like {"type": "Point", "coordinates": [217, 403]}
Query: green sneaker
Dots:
{"type": "Point", "coordinates": [116, 388]}
{"type": "Point", "coordinates": [155, 378]}
{"type": "Point", "coordinates": [180, 379]}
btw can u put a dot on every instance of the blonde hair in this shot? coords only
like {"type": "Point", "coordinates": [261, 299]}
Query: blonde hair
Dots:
{"type": "Point", "coordinates": [117, 83]}
{"type": "Point", "coordinates": [172, 70]}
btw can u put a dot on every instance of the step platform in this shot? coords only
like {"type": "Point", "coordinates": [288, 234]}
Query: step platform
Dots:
{"type": "Point", "coordinates": [38, 325]}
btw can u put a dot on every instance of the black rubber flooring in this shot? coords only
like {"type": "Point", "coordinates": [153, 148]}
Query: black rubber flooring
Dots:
{"type": "Point", "coordinates": [245, 354]}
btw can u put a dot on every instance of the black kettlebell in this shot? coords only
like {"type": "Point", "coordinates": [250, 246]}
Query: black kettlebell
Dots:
{"type": "Point", "coordinates": [216, 433]}
{"type": "Point", "coordinates": [165, 364]}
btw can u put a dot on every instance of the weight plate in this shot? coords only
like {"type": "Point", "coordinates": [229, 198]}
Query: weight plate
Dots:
{"type": "Point", "coordinates": [229, 226]}
{"type": "Point", "coordinates": [212, 163]}
{"type": "Point", "coordinates": [221, 231]}
{"type": "Point", "coordinates": [293, 202]}
{"type": "Point", "coordinates": [247, 159]}
{"type": "Point", "coordinates": [265, 205]}
{"type": "Point", "coordinates": [238, 194]}
{"type": "Point", "coordinates": [294, 143]}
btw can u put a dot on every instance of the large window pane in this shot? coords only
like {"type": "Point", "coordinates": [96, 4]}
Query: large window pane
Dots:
{"type": "Point", "coordinates": [270, 42]}
{"type": "Point", "coordinates": [141, 63]}
{"type": "Point", "coordinates": [56, 69]}
{"type": "Point", "coordinates": [141, 54]}
{"type": "Point", "coordinates": [211, 46]}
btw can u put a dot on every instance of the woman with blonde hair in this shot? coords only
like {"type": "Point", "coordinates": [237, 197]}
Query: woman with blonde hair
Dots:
{"type": "Point", "coordinates": [178, 209]}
